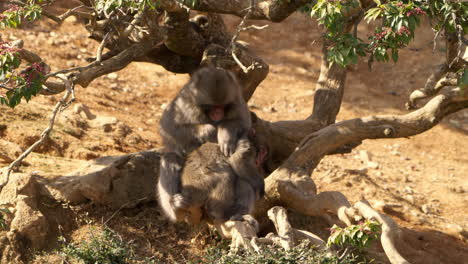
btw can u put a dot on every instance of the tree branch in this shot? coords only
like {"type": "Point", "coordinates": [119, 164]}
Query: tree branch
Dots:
{"type": "Point", "coordinates": [45, 134]}
{"type": "Point", "coordinates": [272, 10]}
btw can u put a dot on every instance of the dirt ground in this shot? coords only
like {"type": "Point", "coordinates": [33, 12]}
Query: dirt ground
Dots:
{"type": "Point", "coordinates": [422, 181]}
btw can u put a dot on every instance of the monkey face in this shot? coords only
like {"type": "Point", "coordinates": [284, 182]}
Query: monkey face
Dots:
{"type": "Point", "coordinates": [215, 92]}
{"type": "Point", "coordinates": [217, 112]}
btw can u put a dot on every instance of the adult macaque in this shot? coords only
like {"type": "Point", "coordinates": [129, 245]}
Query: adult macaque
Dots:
{"type": "Point", "coordinates": [209, 108]}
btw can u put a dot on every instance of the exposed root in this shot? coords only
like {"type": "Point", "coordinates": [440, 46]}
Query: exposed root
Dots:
{"type": "Point", "coordinates": [289, 237]}
{"type": "Point", "coordinates": [390, 231]}
{"type": "Point", "coordinates": [243, 234]}
{"type": "Point", "coordinates": [314, 205]}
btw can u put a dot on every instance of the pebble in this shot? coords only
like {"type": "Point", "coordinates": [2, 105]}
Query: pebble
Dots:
{"type": "Point", "coordinates": [365, 156]}
{"type": "Point", "coordinates": [373, 165]}
{"type": "Point", "coordinates": [426, 208]}
{"type": "Point", "coordinates": [270, 109]}
{"type": "Point", "coordinates": [410, 198]}
{"type": "Point", "coordinates": [458, 189]}
{"type": "Point", "coordinates": [113, 76]}
{"type": "Point", "coordinates": [408, 190]}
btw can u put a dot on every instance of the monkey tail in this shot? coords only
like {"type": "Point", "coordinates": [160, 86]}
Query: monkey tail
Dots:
{"type": "Point", "coordinates": [164, 199]}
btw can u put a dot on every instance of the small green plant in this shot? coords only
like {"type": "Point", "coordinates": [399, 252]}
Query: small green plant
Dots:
{"type": "Point", "coordinates": [3, 224]}
{"type": "Point", "coordinates": [105, 247]}
{"type": "Point", "coordinates": [303, 253]}
{"type": "Point", "coordinates": [355, 236]}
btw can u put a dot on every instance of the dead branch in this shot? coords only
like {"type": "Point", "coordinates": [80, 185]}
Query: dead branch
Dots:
{"type": "Point", "coordinates": [89, 14]}
{"type": "Point", "coordinates": [240, 28]}
{"type": "Point", "coordinates": [453, 62]}
{"type": "Point", "coordinates": [272, 10]}
{"type": "Point", "coordinates": [45, 134]}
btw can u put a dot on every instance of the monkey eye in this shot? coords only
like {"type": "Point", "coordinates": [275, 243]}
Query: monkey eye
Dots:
{"type": "Point", "coordinates": [205, 107]}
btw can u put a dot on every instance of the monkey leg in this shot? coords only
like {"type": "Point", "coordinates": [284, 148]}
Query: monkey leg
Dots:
{"type": "Point", "coordinates": [192, 215]}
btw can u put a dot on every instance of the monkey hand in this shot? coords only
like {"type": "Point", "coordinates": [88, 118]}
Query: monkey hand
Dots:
{"type": "Point", "coordinates": [227, 143]}
{"type": "Point", "coordinates": [258, 185]}
{"type": "Point", "coordinates": [178, 201]}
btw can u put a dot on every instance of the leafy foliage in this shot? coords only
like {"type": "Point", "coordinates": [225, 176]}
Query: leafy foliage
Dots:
{"type": "Point", "coordinates": [15, 14]}
{"type": "Point", "coordinates": [463, 80]}
{"type": "Point", "coordinates": [22, 84]}
{"type": "Point", "coordinates": [303, 253]}
{"type": "Point", "coordinates": [357, 236]}
{"type": "Point", "coordinates": [108, 6]}
{"type": "Point", "coordinates": [399, 22]}
{"type": "Point", "coordinates": [105, 247]}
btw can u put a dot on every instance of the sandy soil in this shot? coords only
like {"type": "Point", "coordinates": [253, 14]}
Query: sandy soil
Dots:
{"type": "Point", "coordinates": [422, 181]}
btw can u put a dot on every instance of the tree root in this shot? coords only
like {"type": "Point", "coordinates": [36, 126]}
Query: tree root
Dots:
{"type": "Point", "coordinates": [243, 234]}
{"type": "Point", "coordinates": [390, 231]}
{"type": "Point", "coordinates": [288, 237]}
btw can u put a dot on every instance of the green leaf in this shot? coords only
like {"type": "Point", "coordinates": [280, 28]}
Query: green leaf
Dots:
{"type": "Point", "coordinates": [395, 55]}
{"type": "Point", "coordinates": [462, 82]}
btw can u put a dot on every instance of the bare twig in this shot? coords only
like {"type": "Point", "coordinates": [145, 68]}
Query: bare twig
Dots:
{"type": "Point", "coordinates": [45, 134]}
{"type": "Point", "coordinates": [101, 46]}
{"type": "Point", "coordinates": [240, 28]}
{"type": "Point", "coordinates": [79, 69]}
{"type": "Point", "coordinates": [5, 87]}
{"type": "Point", "coordinates": [74, 11]}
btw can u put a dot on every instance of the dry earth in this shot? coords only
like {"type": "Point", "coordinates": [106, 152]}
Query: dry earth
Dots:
{"type": "Point", "coordinates": [422, 181]}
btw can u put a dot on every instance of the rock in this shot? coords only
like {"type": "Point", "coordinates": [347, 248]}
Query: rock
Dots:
{"type": "Point", "coordinates": [456, 230]}
{"type": "Point", "coordinates": [2, 129]}
{"type": "Point", "coordinates": [365, 156]}
{"type": "Point", "coordinates": [459, 189]}
{"type": "Point", "coordinates": [71, 19]}
{"type": "Point", "coordinates": [9, 151]}
{"type": "Point", "coordinates": [427, 209]}
{"type": "Point", "coordinates": [104, 122]}
{"type": "Point", "coordinates": [115, 181]}
{"type": "Point", "coordinates": [134, 139]}
{"type": "Point", "coordinates": [29, 227]}
{"type": "Point", "coordinates": [373, 165]}
{"type": "Point", "coordinates": [408, 190]}
{"type": "Point", "coordinates": [410, 198]}
{"type": "Point", "coordinates": [30, 223]}
{"type": "Point", "coordinates": [113, 76]}
{"type": "Point", "coordinates": [123, 130]}
{"type": "Point", "coordinates": [83, 154]}
{"type": "Point", "coordinates": [270, 109]}
{"type": "Point", "coordinates": [83, 110]}
{"type": "Point", "coordinates": [70, 64]}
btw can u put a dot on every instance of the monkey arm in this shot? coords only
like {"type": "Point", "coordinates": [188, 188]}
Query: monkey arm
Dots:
{"type": "Point", "coordinates": [230, 131]}
{"type": "Point", "coordinates": [243, 164]}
